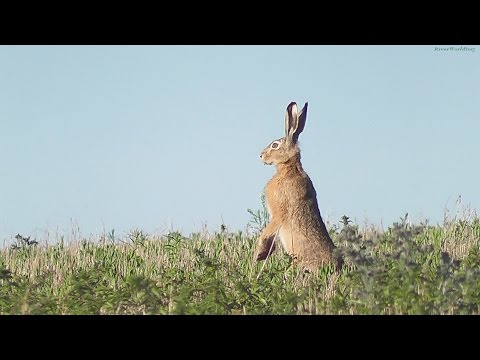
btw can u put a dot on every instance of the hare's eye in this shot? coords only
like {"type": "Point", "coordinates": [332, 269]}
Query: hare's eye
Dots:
{"type": "Point", "coordinates": [274, 145]}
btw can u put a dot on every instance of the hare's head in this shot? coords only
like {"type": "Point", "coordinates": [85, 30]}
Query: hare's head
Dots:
{"type": "Point", "coordinates": [285, 149]}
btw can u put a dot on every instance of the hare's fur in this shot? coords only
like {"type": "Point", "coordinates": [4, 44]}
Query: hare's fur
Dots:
{"type": "Point", "coordinates": [291, 200]}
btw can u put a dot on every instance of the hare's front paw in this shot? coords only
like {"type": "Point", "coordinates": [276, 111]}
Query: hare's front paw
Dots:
{"type": "Point", "coordinates": [265, 246]}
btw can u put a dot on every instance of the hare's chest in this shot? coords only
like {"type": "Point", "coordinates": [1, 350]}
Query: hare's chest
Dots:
{"type": "Point", "coordinates": [275, 198]}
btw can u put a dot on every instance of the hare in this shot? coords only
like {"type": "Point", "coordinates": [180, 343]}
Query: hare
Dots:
{"type": "Point", "coordinates": [291, 201]}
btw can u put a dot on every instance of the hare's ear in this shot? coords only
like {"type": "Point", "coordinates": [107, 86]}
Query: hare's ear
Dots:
{"type": "Point", "coordinates": [294, 122]}
{"type": "Point", "coordinates": [302, 119]}
{"type": "Point", "coordinates": [291, 120]}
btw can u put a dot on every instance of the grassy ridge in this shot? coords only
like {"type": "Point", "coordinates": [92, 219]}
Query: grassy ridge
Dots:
{"type": "Point", "coordinates": [407, 269]}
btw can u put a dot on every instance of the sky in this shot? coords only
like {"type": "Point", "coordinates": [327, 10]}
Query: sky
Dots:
{"type": "Point", "coordinates": [162, 138]}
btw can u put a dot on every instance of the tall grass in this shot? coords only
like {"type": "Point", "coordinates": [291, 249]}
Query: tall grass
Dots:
{"type": "Point", "coordinates": [406, 269]}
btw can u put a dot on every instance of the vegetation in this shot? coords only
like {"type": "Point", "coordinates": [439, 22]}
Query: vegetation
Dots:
{"type": "Point", "coordinates": [406, 269]}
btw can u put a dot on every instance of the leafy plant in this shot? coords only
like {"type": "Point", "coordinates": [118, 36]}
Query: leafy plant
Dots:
{"type": "Point", "coordinates": [406, 269]}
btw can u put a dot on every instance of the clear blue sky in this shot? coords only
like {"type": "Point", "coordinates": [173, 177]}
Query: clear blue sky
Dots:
{"type": "Point", "coordinates": [162, 137]}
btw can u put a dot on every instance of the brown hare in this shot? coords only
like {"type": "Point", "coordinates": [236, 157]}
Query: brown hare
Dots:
{"type": "Point", "coordinates": [291, 201]}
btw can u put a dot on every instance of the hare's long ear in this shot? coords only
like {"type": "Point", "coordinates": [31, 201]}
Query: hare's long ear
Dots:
{"type": "Point", "coordinates": [294, 122]}
{"type": "Point", "coordinates": [291, 120]}
{"type": "Point", "coordinates": [302, 119]}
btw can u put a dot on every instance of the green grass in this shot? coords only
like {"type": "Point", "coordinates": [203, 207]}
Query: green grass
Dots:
{"type": "Point", "coordinates": [406, 269]}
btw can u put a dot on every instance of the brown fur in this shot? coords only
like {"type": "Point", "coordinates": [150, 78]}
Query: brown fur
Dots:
{"type": "Point", "coordinates": [292, 203]}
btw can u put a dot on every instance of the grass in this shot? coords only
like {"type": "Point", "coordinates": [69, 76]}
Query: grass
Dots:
{"type": "Point", "coordinates": [406, 269]}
